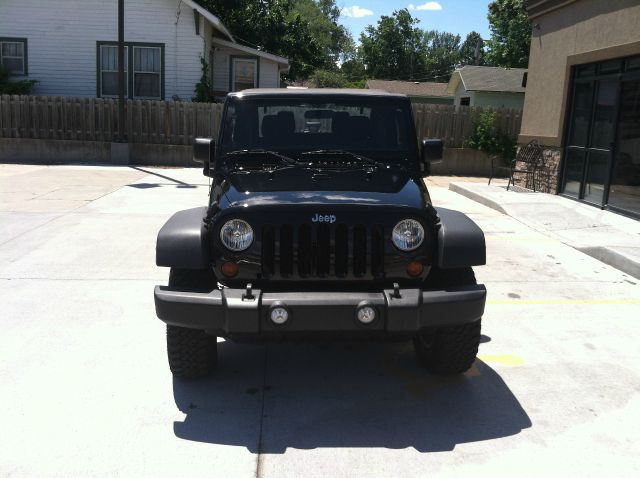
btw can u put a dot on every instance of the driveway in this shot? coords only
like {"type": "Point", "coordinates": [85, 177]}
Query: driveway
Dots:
{"type": "Point", "coordinates": [86, 389]}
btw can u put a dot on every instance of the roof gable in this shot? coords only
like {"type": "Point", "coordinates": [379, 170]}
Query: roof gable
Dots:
{"type": "Point", "coordinates": [488, 78]}
{"type": "Point", "coordinates": [211, 18]}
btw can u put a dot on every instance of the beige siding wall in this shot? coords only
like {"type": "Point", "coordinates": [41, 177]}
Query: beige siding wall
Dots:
{"type": "Point", "coordinates": [462, 93]}
{"type": "Point", "coordinates": [62, 38]}
{"type": "Point", "coordinates": [582, 32]}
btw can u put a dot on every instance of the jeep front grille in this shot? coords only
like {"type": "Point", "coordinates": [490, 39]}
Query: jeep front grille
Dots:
{"type": "Point", "coordinates": [322, 251]}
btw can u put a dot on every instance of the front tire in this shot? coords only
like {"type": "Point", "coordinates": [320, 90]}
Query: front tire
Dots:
{"type": "Point", "coordinates": [449, 350]}
{"type": "Point", "coordinates": [192, 353]}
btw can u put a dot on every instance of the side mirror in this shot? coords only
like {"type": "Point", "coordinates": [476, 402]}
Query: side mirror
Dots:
{"type": "Point", "coordinates": [431, 151]}
{"type": "Point", "coordinates": [203, 153]}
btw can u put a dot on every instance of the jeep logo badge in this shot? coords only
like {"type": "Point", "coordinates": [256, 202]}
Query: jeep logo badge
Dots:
{"type": "Point", "coordinates": [324, 218]}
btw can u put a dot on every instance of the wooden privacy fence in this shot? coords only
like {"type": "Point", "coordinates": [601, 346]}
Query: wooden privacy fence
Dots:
{"type": "Point", "coordinates": [175, 122]}
{"type": "Point", "coordinates": [454, 124]}
{"type": "Point", "coordinates": [96, 119]}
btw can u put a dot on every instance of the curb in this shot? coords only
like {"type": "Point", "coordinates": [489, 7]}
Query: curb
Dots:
{"type": "Point", "coordinates": [605, 255]}
{"type": "Point", "coordinates": [613, 259]}
{"type": "Point", "coordinates": [477, 198]}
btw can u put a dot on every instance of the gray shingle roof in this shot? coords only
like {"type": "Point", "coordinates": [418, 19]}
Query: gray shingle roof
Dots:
{"type": "Point", "coordinates": [489, 78]}
{"type": "Point", "coordinates": [409, 88]}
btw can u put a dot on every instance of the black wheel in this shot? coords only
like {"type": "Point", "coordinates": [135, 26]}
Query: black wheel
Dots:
{"type": "Point", "coordinates": [192, 353]}
{"type": "Point", "coordinates": [449, 350]}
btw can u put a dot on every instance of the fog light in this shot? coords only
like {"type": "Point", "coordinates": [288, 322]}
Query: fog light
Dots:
{"type": "Point", "coordinates": [229, 269]}
{"type": "Point", "coordinates": [414, 269]}
{"type": "Point", "coordinates": [366, 314]}
{"type": "Point", "coordinates": [279, 315]}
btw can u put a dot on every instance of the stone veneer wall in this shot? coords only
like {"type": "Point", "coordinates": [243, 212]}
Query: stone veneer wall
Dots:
{"type": "Point", "coordinates": [546, 177]}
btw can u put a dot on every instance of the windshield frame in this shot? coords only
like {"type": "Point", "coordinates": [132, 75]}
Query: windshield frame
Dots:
{"type": "Point", "coordinates": [409, 157]}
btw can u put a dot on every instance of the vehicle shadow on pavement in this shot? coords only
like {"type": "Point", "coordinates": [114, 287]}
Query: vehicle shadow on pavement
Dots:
{"type": "Point", "coordinates": [343, 395]}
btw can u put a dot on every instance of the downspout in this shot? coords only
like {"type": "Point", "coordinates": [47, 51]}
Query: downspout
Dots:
{"type": "Point", "coordinates": [175, 53]}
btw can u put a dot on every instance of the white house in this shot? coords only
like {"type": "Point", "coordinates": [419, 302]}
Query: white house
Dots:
{"type": "Point", "coordinates": [488, 86]}
{"type": "Point", "coordinates": [70, 48]}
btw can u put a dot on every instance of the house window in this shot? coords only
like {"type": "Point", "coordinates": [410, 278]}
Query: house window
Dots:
{"type": "Point", "coordinates": [466, 101]}
{"type": "Point", "coordinates": [109, 71]}
{"type": "Point", "coordinates": [244, 74]}
{"type": "Point", "coordinates": [143, 69]}
{"type": "Point", "coordinates": [147, 72]}
{"type": "Point", "coordinates": [13, 55]}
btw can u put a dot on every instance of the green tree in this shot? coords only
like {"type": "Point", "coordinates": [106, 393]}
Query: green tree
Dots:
{"type": "Point", "coordinates": [354, 69]}
{"type": "Point", "coordinates": [322, 17]}
{"type": "Point", "coordinates": [442, 55]}
{"type": "Point", "coordinates": [472, 44]}
{"type": "Point", "coordinates": [328, 79]}
{"type": "Point", "coordinates": [273, 26]}
{"type": "Point", "coordinates": [510, 34]}
{"type": "Point", "coordinates": [394, 48]}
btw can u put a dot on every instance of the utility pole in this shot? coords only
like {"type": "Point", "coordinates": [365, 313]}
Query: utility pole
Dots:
{"type": "Point", "coordinates": [479, 53]}
{"type": "Point", "coordinates": [121, 77]}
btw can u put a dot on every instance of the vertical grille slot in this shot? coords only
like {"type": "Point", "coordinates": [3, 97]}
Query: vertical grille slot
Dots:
{"type": "Point", "coordinates": [377, 250]}
{"type": "Point", "coordinates": [304, 250]}
{"type": "Point", "coordinates": [342, 250]}
{"type": "Point", "coordinates": [324, 250]}
{"type": "Point", "coordinates": [268, 251]}
{"type": "Point", "coordinates": [359, 250]}
{"type": "Point", "coordinates": [286, 251]}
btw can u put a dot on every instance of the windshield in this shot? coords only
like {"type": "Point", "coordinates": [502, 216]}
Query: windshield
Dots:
{"type": "Point", "coordinates": [376, 127]}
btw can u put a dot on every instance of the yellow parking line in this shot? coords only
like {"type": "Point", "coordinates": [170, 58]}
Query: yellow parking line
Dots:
{"type": "Point", "coordinates": [564, 302]}
{"type": "Point", "coordinates": [504, 359]}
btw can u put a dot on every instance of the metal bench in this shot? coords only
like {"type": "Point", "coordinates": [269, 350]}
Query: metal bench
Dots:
{"type": "Point", "coordinates": [528, 160]}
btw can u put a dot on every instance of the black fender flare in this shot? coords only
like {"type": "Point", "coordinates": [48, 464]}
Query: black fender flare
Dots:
{"type": "Point", "coordinates": [183, 241]}
{"type": "Point", "coordinates": [460, 240]}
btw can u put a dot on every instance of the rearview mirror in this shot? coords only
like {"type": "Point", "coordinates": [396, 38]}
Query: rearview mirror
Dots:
{"type": "Point", "coordinates": [431, 150]}
{"type": "Point", "coordinates": [203, 152]}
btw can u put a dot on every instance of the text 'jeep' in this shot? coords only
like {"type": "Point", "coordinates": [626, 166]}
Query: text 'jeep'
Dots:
{"type": "Point", "coordinates": [318, 225]}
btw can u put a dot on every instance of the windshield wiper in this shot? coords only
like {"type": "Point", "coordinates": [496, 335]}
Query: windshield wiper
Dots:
{"type": "Point", "coordinates": [342, 152]}
{"type": "Point", "coordinates": [253, 152]}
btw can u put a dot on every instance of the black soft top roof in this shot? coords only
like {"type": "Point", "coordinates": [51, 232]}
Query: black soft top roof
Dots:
{"type": "Point", "coordinates": [309, 92]}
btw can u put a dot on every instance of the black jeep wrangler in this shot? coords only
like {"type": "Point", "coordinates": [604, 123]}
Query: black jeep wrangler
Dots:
{"type": "Point", "coordinates": [319, 224]}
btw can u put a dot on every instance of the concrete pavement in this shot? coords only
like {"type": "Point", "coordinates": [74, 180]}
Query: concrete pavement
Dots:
{"type": "Point", "coordinates": [86, 389]}
{"type": "Point", "coordinates": [607, 236]}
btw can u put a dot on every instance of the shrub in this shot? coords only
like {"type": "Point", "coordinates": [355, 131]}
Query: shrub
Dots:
{"type": "Point", "coordinates": [203, 87]}
{"type": "Point", "coordinates": [486, 137]}
{"type": "Point", "coordinates": [9, 87]}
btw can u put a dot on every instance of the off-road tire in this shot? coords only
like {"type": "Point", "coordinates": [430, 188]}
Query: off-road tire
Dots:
{"type": "Point", "coordinates": [449, 350]}
{"type": "Point", "coordinates": [192, 353]}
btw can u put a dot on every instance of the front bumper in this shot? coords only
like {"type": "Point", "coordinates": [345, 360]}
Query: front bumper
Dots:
{"type": "Point", "coordinates": [229, 312]}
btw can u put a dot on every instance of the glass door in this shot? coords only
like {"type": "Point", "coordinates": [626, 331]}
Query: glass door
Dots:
{"type": "Point", "coordinates": [590, 143]}
{"type": "Point", "coordinates": [599, 152]}
{"type": "Point", "coordinates": [624, 192]}
{"type": "Point", "coordinates": [578, 139]}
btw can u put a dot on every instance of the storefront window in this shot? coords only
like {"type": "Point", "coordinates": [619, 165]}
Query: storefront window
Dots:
{"type": "Point", "coordinates": [602, 155]}
{"type": "Point", "coordinates": [625, 183]}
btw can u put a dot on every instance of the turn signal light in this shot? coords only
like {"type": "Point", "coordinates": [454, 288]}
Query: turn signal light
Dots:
{"type": "Point", "coordinates": [414, 269]}
{"type": "Point", "coordinates": [229, 269]}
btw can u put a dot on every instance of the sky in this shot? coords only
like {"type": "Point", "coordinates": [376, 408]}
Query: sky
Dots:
{"type": "Point", "coordinates": [454, 16]}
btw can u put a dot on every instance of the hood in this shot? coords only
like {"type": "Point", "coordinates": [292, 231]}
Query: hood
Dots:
{"type": "Point", "coordinates": [393, 188]}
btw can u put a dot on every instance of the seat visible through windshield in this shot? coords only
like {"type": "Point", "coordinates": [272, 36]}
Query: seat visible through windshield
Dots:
{"type": "Point", "coordinates": [286, 125]}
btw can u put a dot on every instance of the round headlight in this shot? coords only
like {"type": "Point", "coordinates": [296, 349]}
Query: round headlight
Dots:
{"type": "Point", "coordinates": [408, 235]}
{"type": "Point", "coordinates": [236, 235]}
